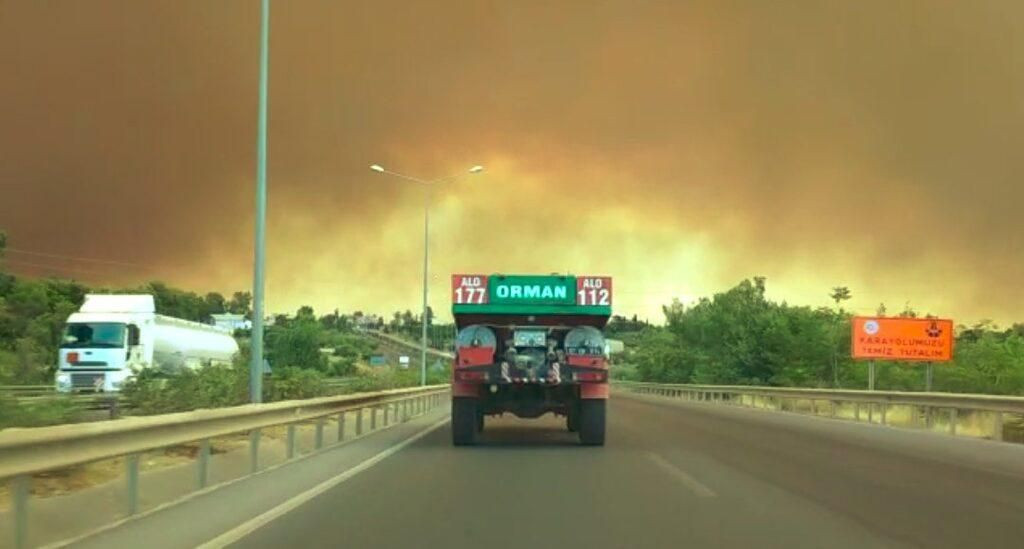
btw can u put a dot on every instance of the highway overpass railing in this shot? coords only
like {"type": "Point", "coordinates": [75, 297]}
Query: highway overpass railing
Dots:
{"type": "Point", "coordinates": [412, 346]}
{"type": "Point", "coordinates": [25, 452]}
{"type": "Point", "coordinates": [990, 413]}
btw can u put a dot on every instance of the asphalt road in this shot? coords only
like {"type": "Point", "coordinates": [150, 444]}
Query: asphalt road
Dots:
{"type": "Point", "coordinates": [673, 474]}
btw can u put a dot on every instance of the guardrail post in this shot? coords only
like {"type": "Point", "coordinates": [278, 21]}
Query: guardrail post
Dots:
{"type": "Point", "coordinates": [953, 417]}
{"type": "Point", "coordinates": [871, 413]}
{"type": "Point", "coordinates": [291, 442]}
{"type": "Point", "coordinates": [856, 411]}
{"type": "Point", "coordinates": [319, 440]}
{"type": "Point", "coordinates": [254, 450]}
{"type": "Point", "coordinates": [928, 417]}
{"type": "Point", "coordinates": [832, 411]}
{"type": "Point", "coordinates": [997, 431]}
{"type": "Point", "coordinates": [373, 418]}
{"type": "Point", "coordinates": [131, 463]}
{"type": "Point", "coordinates": [359, 422]}
{"type": "Point", "coordinates": [341, 426]}
{"type": "Point", "coordinates": [885, 408]}
{"type": "Point", "coordinates": [19, 495]}
{"type": "Point", "coordinates": [203, 463]}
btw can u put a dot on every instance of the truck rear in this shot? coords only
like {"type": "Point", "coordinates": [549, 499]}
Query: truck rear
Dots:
{"type": "Point", "coordinates": [530, 345]}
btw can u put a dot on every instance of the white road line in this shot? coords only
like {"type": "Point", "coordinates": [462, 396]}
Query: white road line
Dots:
{"type": "Point", "coordinates": [247, 527]}
{"type": "Point", "coordinates": [693, 484]}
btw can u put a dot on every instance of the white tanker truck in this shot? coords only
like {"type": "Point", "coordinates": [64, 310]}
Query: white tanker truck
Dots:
{"type": "Point", "coordinates": [113, 337]}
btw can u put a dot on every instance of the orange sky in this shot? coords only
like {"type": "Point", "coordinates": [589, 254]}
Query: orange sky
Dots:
{"type": "Point", "coordinates": [677, 146]}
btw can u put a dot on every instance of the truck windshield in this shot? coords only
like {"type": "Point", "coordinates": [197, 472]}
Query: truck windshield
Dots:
{"type": "Point", "coordinates": [93, 334]}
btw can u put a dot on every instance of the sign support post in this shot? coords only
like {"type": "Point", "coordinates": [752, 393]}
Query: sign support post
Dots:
{"type": "Point", "coordinates": [928, 372]}
{"type": "Point", "coordinates": [871, 375]}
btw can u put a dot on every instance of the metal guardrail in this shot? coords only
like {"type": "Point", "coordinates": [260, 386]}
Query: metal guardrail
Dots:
{"type": "Point", "coordinates": [22, 392]}
{"type": "Point", "coordinates": [412, 346]}
{"type": "Point", "coordinates": [24, 452]}
{"type": "Point", "coordinates": [26, 390]}
{"type": "Point", "coordinates": [786, 398]}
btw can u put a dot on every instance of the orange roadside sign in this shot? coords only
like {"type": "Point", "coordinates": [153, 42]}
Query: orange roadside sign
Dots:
{"type": "Point", "coordinates": [911, 339]}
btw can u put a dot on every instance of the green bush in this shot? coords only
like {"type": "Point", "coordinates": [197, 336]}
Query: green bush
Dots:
{"type": "Point", "coordinates": [215, 387]}
{"type": "Point", "coordinates": [38, 412]}
{"type": "Point", "coordinates": [295, 383]}
{"type": "Point", "coordinates": [209, 387]}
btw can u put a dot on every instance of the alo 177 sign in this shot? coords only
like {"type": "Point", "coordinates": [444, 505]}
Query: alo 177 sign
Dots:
{"type": "Point", "coordinates": [469, 289]}
{"type": "Point", "coordinates": [902, 339]}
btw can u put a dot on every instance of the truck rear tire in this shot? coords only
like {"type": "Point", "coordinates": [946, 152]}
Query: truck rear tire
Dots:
{"type": "Point", "coordinates": [591, 422]}
{"type": "Point", "coordinates": [465, 421]}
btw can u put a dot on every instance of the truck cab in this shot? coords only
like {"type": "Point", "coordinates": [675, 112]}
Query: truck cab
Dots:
{"type": "Point", "coordinates": [530, 345]}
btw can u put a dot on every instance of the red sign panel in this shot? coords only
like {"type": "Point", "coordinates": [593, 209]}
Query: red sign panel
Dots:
{"type": "Point", "coordinates": [469, 289]}
{"type": "Point", "coordinates": [594, 290]}
{"type": "Point", "coordinates": [912, 339]}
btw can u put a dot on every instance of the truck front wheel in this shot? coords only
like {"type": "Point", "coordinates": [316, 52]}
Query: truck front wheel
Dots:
{"type": "Point", "coordinates": [465, 418]}
{"type": "Point", "coordinates": [591, 422]}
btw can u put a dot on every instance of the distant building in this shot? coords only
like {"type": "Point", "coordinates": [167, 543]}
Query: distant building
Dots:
{"type": "Point", "coordinates": [367, 322]}
{"type": "Point", "coordinates": [231, 322]}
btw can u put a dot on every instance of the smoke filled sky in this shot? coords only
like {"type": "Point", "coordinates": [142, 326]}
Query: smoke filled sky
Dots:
{"type": "Point", "coordinates": [677, 146]}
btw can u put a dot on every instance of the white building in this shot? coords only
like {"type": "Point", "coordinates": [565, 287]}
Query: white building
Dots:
{"type": "Point", "coordinates": [231, 322]}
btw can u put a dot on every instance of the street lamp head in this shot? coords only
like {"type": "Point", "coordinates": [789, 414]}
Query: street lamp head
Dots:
{"type": "Point", "coordinates": [377, 168]}
{"type": "Point", "coordinates": [476, 169]}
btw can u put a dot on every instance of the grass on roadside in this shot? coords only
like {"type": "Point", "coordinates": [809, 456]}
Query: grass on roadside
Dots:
{"type": "Point", "coordinates": [38, 412]}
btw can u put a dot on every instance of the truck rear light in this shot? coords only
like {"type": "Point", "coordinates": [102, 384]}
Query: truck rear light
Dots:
{"type": "Point", "coordinates": [475, 356]}
{"type": "Point", "coordinates": [591, 375]}
{"type": "Point", "coordinates": [470, 375]}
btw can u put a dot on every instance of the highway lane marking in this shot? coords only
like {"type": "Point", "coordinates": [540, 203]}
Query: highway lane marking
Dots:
{"type": "Point", "coordinates": [693, 484]}
{"type": "Point", "coordinates": [251, 525]}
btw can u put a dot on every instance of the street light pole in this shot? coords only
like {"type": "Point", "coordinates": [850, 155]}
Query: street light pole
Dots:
{"type": "Point", "coordinates": [426, 254]}
{"type": "Point", "coordinates": [256, 360]}
{"type": "Point", "coordinates": [426, 250]}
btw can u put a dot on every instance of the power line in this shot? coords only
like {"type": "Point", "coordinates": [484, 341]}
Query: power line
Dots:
{"type": "Point", "coordinates": [53, 268]}
{"type": "Point", "coordinates": [85, 259]}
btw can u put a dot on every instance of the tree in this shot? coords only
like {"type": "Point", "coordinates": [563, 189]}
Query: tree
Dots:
{"type": "Point", "coordinates": [675, 311]}
{"type": "Point", "coordinates": [6, 280]}
{"type": "Point", "coordinates": [881, 310]}
{"type": "Point", "coordinates": [240, 304]}
{"type": "Point", "coordinates": [305, 313]}
{"type": "Point", "coordinates": [839, 294]}
{"type": "Point", "coordinates": [908, 311]}
{"type": "Point", "coordinates": [296, 344]}
{"type": "Point", "coordinates": [215, 303]}
{"type": "Point", "coordinates": [177, 303]}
